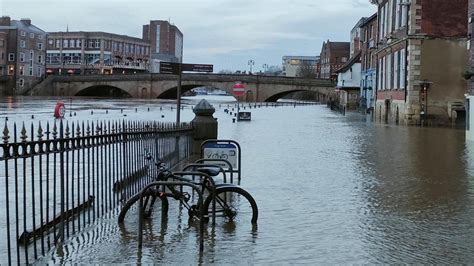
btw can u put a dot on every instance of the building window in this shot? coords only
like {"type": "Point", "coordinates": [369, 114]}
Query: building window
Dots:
{"type": "Point", "coordinates": [22, 44]}
{"type": "Point", "coordinates": [58, 43]}
{"type": "Point", "coordinates": [11, 70]}
{"type": "Point", "coordinates": [50, 42]}
{"type": "Point", "coordinates": [3, 56]}
{"type": "Point", "coordinates": [72, 43]}
{"type": "Point", "coordinates": [31, 71]}
{"type": "Point", "coordinates": [39, 71]}
{"type": "Point", "coordinates": [396, 70]}
{"type": "Point", "coordinates": [40, 46]}
{"type": "Point", "coordinates": [32, 56]}
{"type": "Point", "coordinates": [40, 59]}
{"type": "Point", "coordinates": [65, 43]}
{"type": "Point", "coordinates": [344, 59]}
{"type": "Point", "coordinates": [21, 82]}
{"type": "Point", "coordinates": [78, 43]}
{"type": "Point", "coordinates": [158, 28]}
{"type": "Point", "coordinates": [22, 57]}
{"type": "Point", "coordinates": [22, 33]}
{"type": "Point", "coordinates": [21, 70]}
{"type": "Point", "coordinates": [97, 43]}
{"type": "Point", "coordinates": [11, 57]}
{"type": "Point", "coordinates": [2, 43]}
{"type": "Point", "coordinates": [40, 36]}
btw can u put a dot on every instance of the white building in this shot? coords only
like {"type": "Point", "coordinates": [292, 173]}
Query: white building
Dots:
{"type": "Point", "coordinates": [292, 64]}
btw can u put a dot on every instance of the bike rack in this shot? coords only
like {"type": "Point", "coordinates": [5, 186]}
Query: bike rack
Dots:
{"type": "Point", "coordinates": [172, 183]}
{"type": "Point", "coordinates": [212, 190]}
{"type": "Point", "coordinates": [223, 142]}
{"type": "Point", "coordinates": [195, 165]}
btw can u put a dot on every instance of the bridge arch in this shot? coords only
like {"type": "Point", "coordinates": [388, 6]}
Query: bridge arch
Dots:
{"type": "Point", "coordinates": [103, 91]}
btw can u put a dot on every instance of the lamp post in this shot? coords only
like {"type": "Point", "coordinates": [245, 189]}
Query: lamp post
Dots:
{"type": "Point", "coordinates": [251, 63]}
{"type": "Point", "coordinates": [265, 68]}
{"type": "Point", "coordinates": [425, 84]}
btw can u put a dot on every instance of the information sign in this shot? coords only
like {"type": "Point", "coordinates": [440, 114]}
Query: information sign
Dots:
{"type": "Point", "coordinates": [226, 151]}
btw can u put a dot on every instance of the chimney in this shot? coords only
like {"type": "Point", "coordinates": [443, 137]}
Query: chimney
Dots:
{"type": "Point", "coordinates": [26, 21]}
{"type": "Point", "coordinates": [5, 21]}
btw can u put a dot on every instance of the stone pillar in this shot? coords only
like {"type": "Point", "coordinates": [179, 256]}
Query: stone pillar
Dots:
{"type": "Point", "coordinates": [205, 125]}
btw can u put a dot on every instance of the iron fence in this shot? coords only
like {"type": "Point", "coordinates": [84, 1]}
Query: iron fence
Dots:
{"type": "Point", "coordinates": [60, 178]}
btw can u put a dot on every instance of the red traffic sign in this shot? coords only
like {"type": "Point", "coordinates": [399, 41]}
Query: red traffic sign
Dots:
{"type": "Point", "coordinates": [238, 89]}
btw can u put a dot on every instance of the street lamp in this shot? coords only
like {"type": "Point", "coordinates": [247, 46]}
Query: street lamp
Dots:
{"type": "Point", "coordinates": [424, 84]}
{"type": "Point", "coordinates": [251, 63]}
{"type": "Point", "coordinates": [265, 68]}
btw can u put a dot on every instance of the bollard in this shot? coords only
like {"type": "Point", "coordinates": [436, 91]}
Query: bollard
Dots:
{"type": "Point", "coordinates": [92, 112]}
{"type": "Point", "coordinates": [233, 120]}
{"type": "Point", "coordinates": [106, 111]}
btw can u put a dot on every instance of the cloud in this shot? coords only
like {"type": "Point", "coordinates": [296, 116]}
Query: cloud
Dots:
{"type": "Point", "coordinates": [212, 29]}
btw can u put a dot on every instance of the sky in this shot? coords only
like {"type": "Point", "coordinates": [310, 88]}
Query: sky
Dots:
{"type": "Point", "coordinates": [225, 33]}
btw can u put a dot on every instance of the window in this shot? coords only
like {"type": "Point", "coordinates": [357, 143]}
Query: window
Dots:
{"type": "Point", "coordinates": [31, 71]}
{"type": "Point", "coordinates": [389, 71]}
{"type": "Point", "coordinates": [22, 33]}
{"type": "Point", "coordinates": [40, 36]}
{"type": "Point", "coordinates": [11, 70]}
{"type": "Point", "coordinates": [40, 59]}
{"type": "Point", "coordinates": [58, 43]}
{"type": "Point", "coordinates": [22, 57]}
{"type": "Point", "coordinates": [3, 56]}
{"type": "Point", "coordinates": [21, 82]}
{"type": "Point", "coordinates": [50, 42]}
{"type": "Point", "coordinates": [11, 57]}
{"type": "Point", "coordinates": [22, 44]}
{"type": "Point", "coordinates": [404, 14]}
{"type": "Point", "coordinates": [21, 70]}
{"type": "Point", "coordinates": [2, 43]}
{"type": "Point", "coordinates": [65, 43]}
{"type": "Point", "coordinates": [78, 43]}
{"type": "Point", "coordinates": [32, 56]}
{"type": "Point", "coordinates": [32, 35]}
{"type": "Point", "coordinates": [390, 16]}
{"type": "Point", "coordinates": [72, 43]}
{"type": "Point", "coordinates": [39, 71]}
{"type": "Point", "coordinates": [344, 59]}
{"type": "Point", "coordinates": [97, 43]}
{"type": "Point", "coordinates": [396, 68]}
{"type": "Point", "coordinates": [40, 46]}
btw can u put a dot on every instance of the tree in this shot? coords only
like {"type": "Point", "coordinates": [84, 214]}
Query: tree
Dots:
{"type": "Point", "coordinates": [306, 70]}
{"type": "Point", "coordinates": [274, 70]}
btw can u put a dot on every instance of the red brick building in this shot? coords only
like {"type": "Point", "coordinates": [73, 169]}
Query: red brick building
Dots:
{"type": "Point", "coordinates": [166, 40]}
{"type": "Point", "coordinates": [334, 55]}
{"type": "Point", "coordinates": [368, 62]}
{"type": "Point", "coordinates": [420, 56]}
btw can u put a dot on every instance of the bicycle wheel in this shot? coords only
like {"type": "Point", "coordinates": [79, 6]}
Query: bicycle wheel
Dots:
{"type": "Point", "coordinates": [233, 203]}
{"type": "Point", "coordinates": [149, 196]}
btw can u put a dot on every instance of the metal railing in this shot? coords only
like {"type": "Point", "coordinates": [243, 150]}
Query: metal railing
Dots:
{"type": "Point", "coordinates": [58, 179]}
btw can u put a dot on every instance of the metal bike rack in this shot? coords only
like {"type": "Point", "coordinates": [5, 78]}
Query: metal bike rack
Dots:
{"type": "Point", "coordinates": [194, 167]}
{"type": "Point", "coordinates": [172, 183]}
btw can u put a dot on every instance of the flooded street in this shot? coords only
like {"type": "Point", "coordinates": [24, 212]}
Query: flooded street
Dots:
{"type": "Point", "coordinates": [330, 189]}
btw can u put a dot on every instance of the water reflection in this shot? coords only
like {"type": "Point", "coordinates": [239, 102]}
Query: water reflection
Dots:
{"type": "Point", "coordinates": [417, 196]}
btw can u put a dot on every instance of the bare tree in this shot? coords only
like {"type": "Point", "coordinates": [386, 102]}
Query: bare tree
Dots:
{"type": "Point", "coordinates": [225, 71]}
{"type": "Point", "coordinates": [306, 70]}
{"type": "Point", "coordinates": [274, 71]}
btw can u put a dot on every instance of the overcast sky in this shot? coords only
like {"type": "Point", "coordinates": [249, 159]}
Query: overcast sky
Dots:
{"type": "Point", "coordinates": [226, 33]}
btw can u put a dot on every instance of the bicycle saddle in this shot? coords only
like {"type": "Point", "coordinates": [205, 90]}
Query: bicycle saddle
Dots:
{"type": "Point", "coordinates": [209, 170]}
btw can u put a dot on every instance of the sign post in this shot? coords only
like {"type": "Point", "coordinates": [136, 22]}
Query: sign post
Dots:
{"type": "Point", "coordinates": [238, 90]}
{"type": "Point", "coordinates": [177, 69]}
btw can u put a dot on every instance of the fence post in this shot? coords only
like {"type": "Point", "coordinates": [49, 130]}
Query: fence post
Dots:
{"type": "Point", "coordinates": [205, 125]}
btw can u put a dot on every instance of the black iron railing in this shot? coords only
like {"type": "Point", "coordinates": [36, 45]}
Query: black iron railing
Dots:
{"type": "Point", "coordinates": [59, 178]}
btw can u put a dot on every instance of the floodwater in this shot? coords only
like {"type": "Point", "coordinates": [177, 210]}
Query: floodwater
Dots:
{"type": "Point", "coordinates": [330, 189]}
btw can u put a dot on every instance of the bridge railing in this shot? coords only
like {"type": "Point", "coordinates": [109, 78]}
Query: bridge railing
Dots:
{"type": "Point", "coordinates": [58, 179]}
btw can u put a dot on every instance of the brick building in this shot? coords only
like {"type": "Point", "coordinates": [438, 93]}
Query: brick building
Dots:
{"type": "Point", "coordinates": [368, 63]}
{"type": "Point", "coordinates": [333, 56]}
{"type": "Point", "coordinates": [95, 53]}
{"type": "Point", "coordinates": [166, 41]}
{"type": "Point", "coordinates": [22, 55]}
{"type": "Point", "coordinates": [421, 55]}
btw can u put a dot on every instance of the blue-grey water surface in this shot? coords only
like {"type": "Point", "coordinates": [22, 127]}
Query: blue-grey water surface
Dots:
{"type": "Point", "coordinates": [330, 189]}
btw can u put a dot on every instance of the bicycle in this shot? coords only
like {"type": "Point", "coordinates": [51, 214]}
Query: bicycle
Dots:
{"type": "Point", "coordinates": [231, 201]}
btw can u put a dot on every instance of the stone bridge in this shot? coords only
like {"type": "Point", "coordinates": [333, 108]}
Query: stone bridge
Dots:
{"type": "Point", "coordinates": [164, 86]}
